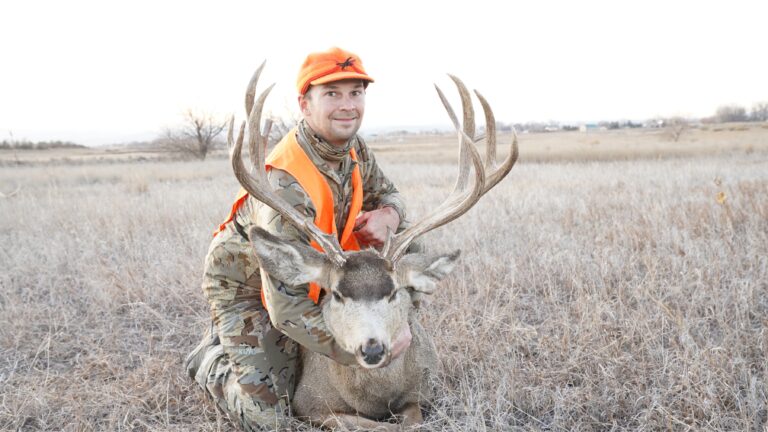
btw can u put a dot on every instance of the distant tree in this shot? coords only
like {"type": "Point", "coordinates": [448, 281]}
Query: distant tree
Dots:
{"type": "Point", "coordinates": [533, 127]}
{"type": "Point", "coordinates": [731, 113]}
{"type": "Point", "coordinates": [195, 137]}
{"type": "Point", "coordinates": [503, 127]}
{"type": "Point", "coordinates": [759, 112]}
{"type": "Point", "coordinates": [675, 127]}
{"type": "Point", "coordinates": [608, 124]}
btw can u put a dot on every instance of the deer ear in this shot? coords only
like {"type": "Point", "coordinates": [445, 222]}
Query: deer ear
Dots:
{"type": "Point", "coordinates": [290, 261]}
{"type": "Point", "coordinates": [422, 272]}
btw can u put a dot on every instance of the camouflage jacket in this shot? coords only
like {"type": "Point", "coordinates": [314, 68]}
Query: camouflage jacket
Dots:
{"type": "Point", "coordinates": [290, 310]}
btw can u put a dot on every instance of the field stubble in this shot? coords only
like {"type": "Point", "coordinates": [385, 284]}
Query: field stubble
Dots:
{"type": "Point", "coordinates": [618, 295]}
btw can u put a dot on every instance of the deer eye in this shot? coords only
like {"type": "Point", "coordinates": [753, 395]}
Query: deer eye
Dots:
{"type": "Point", "coordinates": [337, 297]}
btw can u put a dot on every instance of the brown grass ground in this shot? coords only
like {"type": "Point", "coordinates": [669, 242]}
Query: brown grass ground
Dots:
{"type": "Point", "coordinates": [617, 294]}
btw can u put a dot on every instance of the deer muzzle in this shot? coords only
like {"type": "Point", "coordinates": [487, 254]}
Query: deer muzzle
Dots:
{"type": "Point", "coordinates": [372, 354]}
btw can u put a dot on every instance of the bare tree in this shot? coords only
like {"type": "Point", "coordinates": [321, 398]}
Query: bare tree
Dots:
{"type": "Point", "coordinates": [759, 112]}
{"type": "Point", "coordinates": [675, 127]}
{"type": "Point", "coordinates": [196, 136]}
{"type": "Point", "coordinates": [731, 113]}
{"type": "Point", "coordinates": [280, 127]}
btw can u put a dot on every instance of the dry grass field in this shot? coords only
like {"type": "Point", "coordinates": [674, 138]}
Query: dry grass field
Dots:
{"type": "Point", "coordinates": [614, 281]}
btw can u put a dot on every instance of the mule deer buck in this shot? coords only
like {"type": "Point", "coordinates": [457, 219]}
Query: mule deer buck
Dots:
{"type": "Point", "coordinates": [368, 293]}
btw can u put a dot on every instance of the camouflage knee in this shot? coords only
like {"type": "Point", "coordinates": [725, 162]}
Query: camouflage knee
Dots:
{"type": "Point", "coordinates": [261, 366]}
{"type": "Point", "coordinates": [245, 392]}
{"type": "Point", "coordinates": [248, 409]}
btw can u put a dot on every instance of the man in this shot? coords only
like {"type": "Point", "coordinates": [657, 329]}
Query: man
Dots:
{"type": "Point", "coordinates": [247, 360]}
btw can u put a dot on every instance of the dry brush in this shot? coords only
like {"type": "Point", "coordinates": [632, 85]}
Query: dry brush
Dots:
{"type": "Point", "coordinates": [592, 296]}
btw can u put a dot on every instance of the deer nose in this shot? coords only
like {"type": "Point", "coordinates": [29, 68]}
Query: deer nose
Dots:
{"type": "Point", "coordinates": [373, 352]}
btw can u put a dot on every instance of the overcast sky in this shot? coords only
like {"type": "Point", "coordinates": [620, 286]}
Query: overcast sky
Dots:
{"type": "Point", "coordinates": [98, 72]}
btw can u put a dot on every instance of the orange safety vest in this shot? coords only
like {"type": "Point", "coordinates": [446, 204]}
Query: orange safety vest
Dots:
{"type": "Point", "coordinates": [290, 157]}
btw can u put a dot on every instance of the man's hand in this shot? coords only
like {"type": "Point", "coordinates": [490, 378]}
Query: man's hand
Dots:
{"type": "Point", "coordinates": [371, 227]}
{"type": "Point", "coordinates": [402, 342]}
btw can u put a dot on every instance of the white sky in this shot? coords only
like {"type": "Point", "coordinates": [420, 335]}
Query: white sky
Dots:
{"type": "Point", "coordinates": [98, 72]}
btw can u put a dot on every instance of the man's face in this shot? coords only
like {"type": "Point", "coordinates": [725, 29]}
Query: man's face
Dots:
{"type": "Point", "coordinates": [334, 110]}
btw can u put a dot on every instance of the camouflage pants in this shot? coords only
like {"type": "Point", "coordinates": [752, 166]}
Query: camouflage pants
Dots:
{"type": "Point", "coordinates": [251, 374]}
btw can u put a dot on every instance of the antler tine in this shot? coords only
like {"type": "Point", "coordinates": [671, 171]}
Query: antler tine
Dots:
{"type": "Point", "coordinates": [250, 95]}
{"type": "Point", "coordinates": [497, 173]}
{"type": "Point", "coordinates": [250, 91]}
{"type": "Point", "coordinates": [448, 108]}
{"type": "Point", "coordinates": [230, 130]}
{"type": "Point", "coordinates": [461, 199]}
{"type": "Point", "coordinates": [461, 179]}
{"type": "Point", "coordinates": [468, 126]}
{"type": "Point", "coordinates": [466, 106]}
{"type": "Point", "coordinates": [258, 186]}
{"type": "Point", "coordinates": [490, 132]}
{"type": "Point", "coordinates": [256, 141]}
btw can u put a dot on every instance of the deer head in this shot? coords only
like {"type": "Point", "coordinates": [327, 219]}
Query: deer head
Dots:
{"type": "Point", "coordinates": [367, 302]}
{"type": "Point", "coordinates": [368, 293]}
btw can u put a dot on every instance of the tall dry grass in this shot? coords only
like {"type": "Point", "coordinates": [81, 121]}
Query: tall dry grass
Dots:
{"type": "Point", "coordinates": [627, 295]}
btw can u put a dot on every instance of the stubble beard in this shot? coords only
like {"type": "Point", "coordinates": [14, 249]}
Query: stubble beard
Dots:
{"type": "Point", "coordinates": [342, 135]}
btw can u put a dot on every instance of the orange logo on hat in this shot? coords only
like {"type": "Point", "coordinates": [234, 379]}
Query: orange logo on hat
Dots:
{"type": "Point", "coordinates": [328, 66]}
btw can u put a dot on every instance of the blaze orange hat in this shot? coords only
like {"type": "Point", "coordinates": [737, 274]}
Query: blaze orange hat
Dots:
{"type": "Point", "coordinates": [328, 66]}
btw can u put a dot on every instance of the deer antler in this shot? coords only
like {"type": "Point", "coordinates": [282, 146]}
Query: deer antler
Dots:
{"type": "Point", "coordinates": [257, 185]}
{"type": "Point", "coordinates": [463, 197]}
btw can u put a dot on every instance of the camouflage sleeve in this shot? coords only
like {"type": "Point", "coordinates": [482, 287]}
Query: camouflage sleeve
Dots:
{"type": "Point", "coordinates": [378, 190]}
{"type": "Point", "coordinates": [290, 309]}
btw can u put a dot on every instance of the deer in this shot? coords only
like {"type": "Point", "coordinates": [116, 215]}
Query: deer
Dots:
{"type": "Point", "coordinates": [369, 295]}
